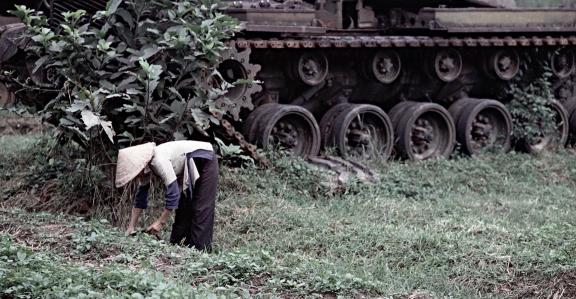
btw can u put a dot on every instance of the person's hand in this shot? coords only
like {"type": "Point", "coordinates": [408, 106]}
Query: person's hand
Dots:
{"type": "Point", "coordinates": [155, 227]}
{"type": "Point", "coordinates": [130, 231]}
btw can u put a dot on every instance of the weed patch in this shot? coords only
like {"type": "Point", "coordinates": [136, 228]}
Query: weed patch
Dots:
{"type": "Point", "coordinates": [98, 246]}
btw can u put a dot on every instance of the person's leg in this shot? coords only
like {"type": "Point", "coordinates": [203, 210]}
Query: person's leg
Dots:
{"type": "Point", "coordinates": [182, 221]}
{"type": "Point", "coordinates": [204, 203]}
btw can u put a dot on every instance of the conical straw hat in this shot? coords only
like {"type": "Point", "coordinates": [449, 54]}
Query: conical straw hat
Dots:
{"type": "Point", "coordinates": [131, 161]}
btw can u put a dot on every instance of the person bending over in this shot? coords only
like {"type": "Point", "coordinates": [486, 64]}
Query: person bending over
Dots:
{"type": "Point", "coordinates": [189, 171]}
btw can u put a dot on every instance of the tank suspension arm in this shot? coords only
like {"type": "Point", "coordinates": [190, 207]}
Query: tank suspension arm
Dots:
{"type": "Point", "coordinates": [307, 94]}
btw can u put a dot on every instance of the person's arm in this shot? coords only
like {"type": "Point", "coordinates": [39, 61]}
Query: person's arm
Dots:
{"type": "Point", "coordinates": [163, 168]}
{"type": "Point", "coordinates": [140, 204]}
{"type": "Point", "coordinates": [157, 225]}
{"type": "Point", "coordinates": [172, 195]}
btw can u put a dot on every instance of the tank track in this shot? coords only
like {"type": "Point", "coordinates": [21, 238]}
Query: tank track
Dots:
{"type": "Point", "coordinates": [338, 41]}
{"type": "Point", "coordinates": [249, 148]}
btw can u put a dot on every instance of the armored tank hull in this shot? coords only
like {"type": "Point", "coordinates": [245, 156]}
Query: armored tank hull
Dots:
{"type": "Point", "coordinates": [371, 78]}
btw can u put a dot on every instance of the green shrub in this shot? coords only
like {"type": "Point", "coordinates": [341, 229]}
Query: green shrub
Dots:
{"type": "Point", "coordinates": [531, 110]}
{"type": "Point", "coordinates": [138, 71]}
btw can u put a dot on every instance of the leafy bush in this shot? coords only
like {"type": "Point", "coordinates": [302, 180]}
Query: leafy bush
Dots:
{"type": "Point", "coordinates": [138, 71]}
{"type": "Point", "coordinates": [530, 107]}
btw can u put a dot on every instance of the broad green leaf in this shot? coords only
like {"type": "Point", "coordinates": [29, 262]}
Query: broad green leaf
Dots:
{"type": "Point", "coordinates": [154, 71]}
{"type": "Point", "coordinates": [103, 45]}
{"type": "Point", "coordinates": [169, 117]}
{"type": "Point", "coordinates": [201, 118]}
{"type": "Point", "coordinates": [126, 16]}
{"type": "Point", "coordinates": [112, 6]}
{"type": "Point", "coordinates": [149, 51]}
{"type": "Point", "coordinates": [108, 129]}
{"type": "Point", "coordinates": [77, 106]}
{"type": "Point", "coordinates": [39, 63]}
{"type": "Point", "coordinates": [107, 85]}
{"type": "Point", "coordinates": [57, 47]}
{"type": "Point", "coordinates": [90, 119]}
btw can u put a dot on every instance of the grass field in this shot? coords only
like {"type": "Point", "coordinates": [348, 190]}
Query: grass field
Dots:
{"type": "Point", "coordinates": [491, 227]}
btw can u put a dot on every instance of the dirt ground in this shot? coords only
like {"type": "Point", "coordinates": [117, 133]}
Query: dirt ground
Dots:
{"type": "Point", "coordinates": [533, 285]}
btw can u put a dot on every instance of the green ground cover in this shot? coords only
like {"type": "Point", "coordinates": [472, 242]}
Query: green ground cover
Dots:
{"type": "Point", "coordinates": [491, 227]}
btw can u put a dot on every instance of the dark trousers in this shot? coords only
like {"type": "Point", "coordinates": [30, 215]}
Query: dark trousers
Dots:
{"type": "Point", "coordinates": [194, 221]}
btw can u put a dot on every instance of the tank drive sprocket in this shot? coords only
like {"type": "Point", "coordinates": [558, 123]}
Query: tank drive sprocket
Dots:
{"type": "Point", "coordinates": [236, 69]}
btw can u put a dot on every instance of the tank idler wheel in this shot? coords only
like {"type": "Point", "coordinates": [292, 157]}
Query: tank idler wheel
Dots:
{"type": "Point", "coordinates": [384, 66]}
{"type": "Point", "coordinates": [563, 63]}
{"type": "Point", "coordinates": [448, 65]}
{"type": "Point", "coordinates": [482, 125]}
{"type": "Point", "coordinates": [504, 64]}
{"type": "Point", "coordinates": [235, 68]}
{"type": "Point", "coordinates": [423, 130]}
{"type": "Point", "coordinates": [6, 97]}
{"type": "Point", "coordinates": [358, 131]}
{"type": "Point", "coordinates": [287, 126]}
{"type": "Point", "coordinates": [311, 68]}
{"type": "Point", "coordinates": [231, 71]}
{"type": "Point", "coordinates": [553, 140]}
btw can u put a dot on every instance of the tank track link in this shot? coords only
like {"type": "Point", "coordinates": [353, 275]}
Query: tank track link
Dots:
{"type": "Point", "coordinates": [250, 149]}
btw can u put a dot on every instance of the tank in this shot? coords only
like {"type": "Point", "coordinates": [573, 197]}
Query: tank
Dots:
{"type": "Point", "coordinates": [373, 78]}
{"type": "Point", "coordinates": [407, 78]}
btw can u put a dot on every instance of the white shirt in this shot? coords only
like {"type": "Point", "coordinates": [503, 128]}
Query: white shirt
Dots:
{"type": "Point", "coordinates": [169, 161]}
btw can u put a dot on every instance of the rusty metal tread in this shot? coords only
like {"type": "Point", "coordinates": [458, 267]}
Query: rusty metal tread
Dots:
{"type": "Point", "coordinates": [337, 41]}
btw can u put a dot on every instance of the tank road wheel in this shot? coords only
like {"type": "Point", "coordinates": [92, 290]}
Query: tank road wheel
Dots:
{"type": "Point", "coordinates": [329, 120]}
{"type": "Point", "coordinates": [362, 131]}
{"type": "Point", "coordinates": [504, 64]}
{"type": "Point", "coordinates": [383, 66]}
{"type": "Point", "coordinates": [570, 106]}
{"type": "Point", "coordinates": [448, 65]}
{"type": "Point", "coordinates": [398, 111]}
{"type": "Point", "coordinates": [291, 127]}
{"type": "Point", "coordinates": [572, 128]}
{"type": "Point", "coordinates": [482, 125]}
{"type": "Point", "coordinates": [423, 130]}
{"type": "Point", "coordinates": [235, 67]}
{"type": "Point", "coordinates": [250, 128]}
{"type": "Point", "coordinates": [552, 140]}
{"type": "Point", "coordinates": [311, 68]}
{"type": "Point", "coordinates": [6, 97]}
{"type": "Point", "coordinates": [563, 63]}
